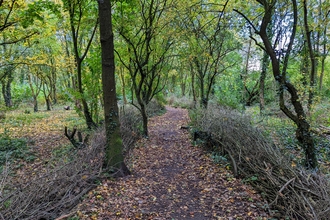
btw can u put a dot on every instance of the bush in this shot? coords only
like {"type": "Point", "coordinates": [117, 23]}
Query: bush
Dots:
{"type": "Point", "coordinates": [292, 191]}
{"type": "Point", "coordinates": [21, 93]}
{"type": "Point", "coordinates": [59, 184]}
{"type": "Point", "coordinates": [182, 102]}
{"type": "Point", "coordinates": [131, 126]}
{"type": "Point", "coordinates": [155, 108]}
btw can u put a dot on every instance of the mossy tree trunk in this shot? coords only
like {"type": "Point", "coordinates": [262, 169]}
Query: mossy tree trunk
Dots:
{"type": "Point", "coordinates": [114, 157]}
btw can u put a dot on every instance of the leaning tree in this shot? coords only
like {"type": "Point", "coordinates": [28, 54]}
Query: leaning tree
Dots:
{"type": "Point", "coordinates": [283, 17]}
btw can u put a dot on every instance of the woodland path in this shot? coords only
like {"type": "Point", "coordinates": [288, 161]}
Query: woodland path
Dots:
{"type": "Point", "coordinates": [171, 179]}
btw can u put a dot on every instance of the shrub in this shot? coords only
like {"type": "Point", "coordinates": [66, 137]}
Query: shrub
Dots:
{"type": "Point", "coordinates": [182, 102]}
{"type": "Point", "coordinates": [131, 126]}
{"type": "Point", "coordinates": [155, 108]}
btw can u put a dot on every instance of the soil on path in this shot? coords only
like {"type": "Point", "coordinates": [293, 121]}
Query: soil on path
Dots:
{"type": "Point", "coordinates": [171, 179]}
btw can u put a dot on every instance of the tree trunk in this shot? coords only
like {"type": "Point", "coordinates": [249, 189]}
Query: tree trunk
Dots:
{"type": "Point", "coordinates": [312, 74]}
{"type": "Point", "coordinates": [323, 61]}
{"type": "Point", "coordinates": [88, 118]}
{"type": "Point", "coordinates": [265, 62]}
{"type": "Point", "coordinates": [35, 92]}
{"type": "Point", "coordinates": [144, 119]}
{"type": "Point", "coordinates": [303, 133]}
{"type": "Point", "coordinates": [6, 89]}
{"type": "Point", "coordinates": [322, 72]}
{"type": "Point", "coordinates": [35, 104]}
{"type": "Point", "coordinates": [193, 85]}
{"type": "Point", "coordinates": [245, 73]}
{"type": "Point", "coordinates": [53, 88]}
{"type": "Point", "coordinates": [203, 101]}
{"type": "Point", "coordinates": [123, 84]}
{"type": "Point", "coordinates": [6, 93]}
{"type": "Point", "coordinates": [114, 157]}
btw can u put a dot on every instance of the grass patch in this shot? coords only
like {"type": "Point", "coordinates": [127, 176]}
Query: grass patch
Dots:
{"type": "Point", "coordinates": [17, 119]}
{"type": "Point", "coordinates": [12, 149]}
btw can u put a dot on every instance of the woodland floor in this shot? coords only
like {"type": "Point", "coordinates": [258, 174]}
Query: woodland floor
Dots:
{"type": "Point", "coordinates": [172, 179]}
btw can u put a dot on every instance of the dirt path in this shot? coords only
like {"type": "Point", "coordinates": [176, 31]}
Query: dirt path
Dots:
{"type": "Point", "coordinates": [171, 179]}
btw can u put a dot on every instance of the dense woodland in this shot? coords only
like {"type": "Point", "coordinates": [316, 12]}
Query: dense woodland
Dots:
{"type": "Point", "coordinates": [263, 59]}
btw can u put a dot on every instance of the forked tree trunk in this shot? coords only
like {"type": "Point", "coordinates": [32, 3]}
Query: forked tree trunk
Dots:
{"type": "Point", "coordinates": [297, 115]}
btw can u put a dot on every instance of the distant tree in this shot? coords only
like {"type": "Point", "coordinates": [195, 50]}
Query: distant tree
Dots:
{"type": "Point", "coordinates": [83, 29]}
{"type": "Point", "coordinates": [114, 156]}
{"type": "Point", "coordinates": [209, 39]}
{"type": "Point", "coordinates": [143, 25]}
{"type": "Point", "coordinates": [262, 79]}
{"type": "Point", "coordinates": [311, 55]}
{"type": "Point", "coordinates": [13, 30]}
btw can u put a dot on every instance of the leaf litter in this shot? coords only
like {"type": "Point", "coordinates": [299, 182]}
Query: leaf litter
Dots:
{"type": "Point", "coordinates": [171, 179]}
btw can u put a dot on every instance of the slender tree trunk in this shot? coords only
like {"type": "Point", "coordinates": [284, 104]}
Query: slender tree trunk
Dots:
{"type": "Point", "coordinates": [123, 84]}
{"type": "Point", "coordinates": [114, 155]}
{"type": "Point", "coordinates": [47, 97]}
{"type": "Point", "coordinates": [88, 117]}
{"type": "Point", "coordinates": [6, 93]}
{"type": "Point", "coordinates": [53, 87]}
{"type": "Point", "coordinates": [35, 93]}
{"type": "Point", "coordinates": [322, 72]}
{"type": "Point", "coordinates": [193, 84]}
{"type": "Point", "coordinates": [183, 89]}
{"type": "Point", "coordinates": [312, 75]}
{"type": "Point", "coordinates": [35, 104]}
{"type": "Point", "coordinates": [6, 88]}
{"type": "Point", "coordinates": [265, 62]}
{"type": "Point", "coordinates": [323, 61]}
{"type": "Point", "coordinates": [245, 72]}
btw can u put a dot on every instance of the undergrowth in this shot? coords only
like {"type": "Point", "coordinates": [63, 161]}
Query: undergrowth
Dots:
{"type": "Point", "coordinates": [291, 191]}
{"type": "Point", "coordinates": [13, 149]}
{"type": "Point", "coordinates": [59, 183]}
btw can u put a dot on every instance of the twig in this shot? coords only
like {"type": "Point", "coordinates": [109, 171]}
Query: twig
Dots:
{"type": "Point", "coordinates": [65, 216]}
{"type": "Point", "coordinates": [285, 185]}
{"type": "Point", "coordinates": [310, 206]}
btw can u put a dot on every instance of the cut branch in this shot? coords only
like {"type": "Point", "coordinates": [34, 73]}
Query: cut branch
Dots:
{"type": "Point", "coordinates": [81, 143]}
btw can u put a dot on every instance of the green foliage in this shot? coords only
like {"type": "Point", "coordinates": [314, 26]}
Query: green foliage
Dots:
{"type": "Point", "coordinates": [160, 98]}
{"type": "Point", "coordinates": [62, 151]}
{"type": "Point", "coordinates": [229, 91]}
{"type": "Point", "coordinates": [26, 117]}
{"type": "Point", "coordinates": [250, 179]}
{"type": "Point", "coordinates": [320, 114]}
{"type": "Point", "coordinates": [35, 9]}
{"type": "Point", "coordinates": [20, 93]}
{"type": "Point", "coordinates": [218, 158]}
{"type": "Point", "coordinates": [12, 149]}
